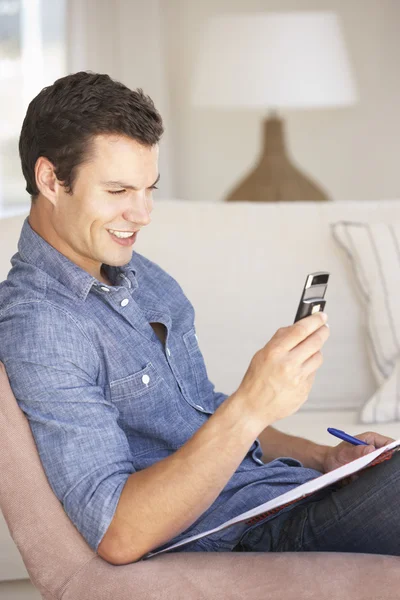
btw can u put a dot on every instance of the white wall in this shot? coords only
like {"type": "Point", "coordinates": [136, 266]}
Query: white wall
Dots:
{"type": "Point", "coordinates": [352, 152]}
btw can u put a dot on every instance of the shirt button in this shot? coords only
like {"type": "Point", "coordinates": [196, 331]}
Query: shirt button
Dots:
{"type": "Point", "coordinates": [168, 352]}
{"type": "Point", "coordinates": [198, 406]}
{"type": "Point", "coordinates": [145, 379]}
{"type": "Point", "coordinates": [105, 289]}
{"type": "Point", "coordinates": [124, 302]}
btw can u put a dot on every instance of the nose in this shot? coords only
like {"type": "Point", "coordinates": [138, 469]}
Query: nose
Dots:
{"type": "Point", "coordinates": [139, 212]}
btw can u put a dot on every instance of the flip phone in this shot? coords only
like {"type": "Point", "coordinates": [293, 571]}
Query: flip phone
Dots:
{"type": "Point", "coordinates": [312, 298]}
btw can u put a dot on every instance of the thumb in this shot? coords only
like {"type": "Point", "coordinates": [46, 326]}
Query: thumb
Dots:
{"type": "Point", "coordinates": [368, 449]}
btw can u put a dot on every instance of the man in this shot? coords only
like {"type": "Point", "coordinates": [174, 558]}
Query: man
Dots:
{"type": "Point", "coordinates": [100, 348]}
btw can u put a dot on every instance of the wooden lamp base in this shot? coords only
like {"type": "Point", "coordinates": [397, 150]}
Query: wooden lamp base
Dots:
{"type": "Point", "coordinates": [274, 178]}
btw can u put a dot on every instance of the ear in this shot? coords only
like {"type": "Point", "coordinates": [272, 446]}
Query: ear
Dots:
{"type": "Point", "coordinates": [46, 179]}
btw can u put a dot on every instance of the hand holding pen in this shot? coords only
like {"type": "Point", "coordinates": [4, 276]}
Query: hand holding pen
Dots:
{"type": "Point", "coordinates": [341, 454]}
{"type": "Point", "coordinates": [337, 456]}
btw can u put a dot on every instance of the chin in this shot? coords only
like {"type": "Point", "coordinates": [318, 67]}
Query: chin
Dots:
{"type": "Point", "coordinates": [117, 262]}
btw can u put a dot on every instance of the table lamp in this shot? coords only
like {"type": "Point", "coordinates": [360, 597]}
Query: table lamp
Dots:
{"type": "Point", "coordinates": [271, 61]}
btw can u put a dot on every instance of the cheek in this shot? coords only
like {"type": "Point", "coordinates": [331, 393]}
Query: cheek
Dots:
{"type": "Point", "coordinates": [103, 214]}
{"type": "Point", "coordinates": [150, 203]}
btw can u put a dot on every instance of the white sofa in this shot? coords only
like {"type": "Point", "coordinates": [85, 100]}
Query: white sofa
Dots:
{"type": "Point", "coordinates": [243, 266]}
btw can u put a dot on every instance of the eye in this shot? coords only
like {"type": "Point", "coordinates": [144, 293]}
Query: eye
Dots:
{"type": "Point", "coordinates": [118, 192]}
{"type": "Point", "coordinates": [154, 187]}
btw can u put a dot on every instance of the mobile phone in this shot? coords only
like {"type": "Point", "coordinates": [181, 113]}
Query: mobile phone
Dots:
{"type": "Point", "coordinates": [312, 297]}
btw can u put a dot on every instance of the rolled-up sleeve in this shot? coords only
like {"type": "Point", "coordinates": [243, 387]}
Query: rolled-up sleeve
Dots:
{"type": "Point", "coordinates": [53, 370]}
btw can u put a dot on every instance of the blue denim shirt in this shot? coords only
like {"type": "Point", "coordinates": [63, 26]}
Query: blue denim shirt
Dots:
{"type": "Point", "coordinates": [104, 398]}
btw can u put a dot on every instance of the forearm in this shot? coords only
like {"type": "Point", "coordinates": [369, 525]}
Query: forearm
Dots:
{"type": "Point", "coordinates": [161, 501]}
{"type": "Point", "coordinates": [275, 444]}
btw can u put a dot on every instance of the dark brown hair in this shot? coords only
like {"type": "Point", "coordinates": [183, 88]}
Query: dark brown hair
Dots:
{"type": "Point", "coordinates": [62, 120]}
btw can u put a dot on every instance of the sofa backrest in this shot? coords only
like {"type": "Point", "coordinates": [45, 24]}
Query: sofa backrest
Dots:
{"type": "Point", "coordinates": [243, 266]}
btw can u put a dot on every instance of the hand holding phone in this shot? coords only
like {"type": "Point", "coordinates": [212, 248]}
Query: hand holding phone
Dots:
{"type": "Point", "coordinates": [281, 374]}
{"type": "Point", "coordinates": [312, 297]}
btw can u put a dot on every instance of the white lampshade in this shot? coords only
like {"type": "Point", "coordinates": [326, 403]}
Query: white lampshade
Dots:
{"type": "Point", "coordinates": [273, 60]}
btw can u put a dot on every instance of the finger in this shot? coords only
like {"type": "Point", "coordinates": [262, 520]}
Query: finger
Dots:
{"type": "Point", "coordinates": [368, 449]}
{"type": "Point", "coordinates": [310, 346]}
{"type": "Point", "coordinates": [383, 440]}
{"type": "Point", "coordinates": [311, 365]}
{"type": "Point", "coordinates": [349, 453]}
{"type": "Point", "coordinates": [376, 439]}
{"type": "Point", "coordinates": [300, 331]}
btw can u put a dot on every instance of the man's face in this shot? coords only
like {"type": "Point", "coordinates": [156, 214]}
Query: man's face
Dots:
{"type": "Point", "coordinates": [81, 221]}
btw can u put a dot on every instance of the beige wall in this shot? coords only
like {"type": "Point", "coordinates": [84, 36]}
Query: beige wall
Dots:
{"type": "Point", "coordinates": [352, 152]}
{"type": "Point", "coordinates": [124, 39]}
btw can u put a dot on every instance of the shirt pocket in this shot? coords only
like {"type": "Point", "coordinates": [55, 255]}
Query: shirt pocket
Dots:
{"type": "Point", "coordinates": [142, 398]}
{"type": "Point", "coordinates": [137, 384]}
{"type": "Point", "coordinates": [150, 413]}
{"type": "Point", "coordinates": [201, 390]}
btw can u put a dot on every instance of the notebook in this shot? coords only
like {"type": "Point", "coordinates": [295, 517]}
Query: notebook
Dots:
{"type": "Point", "coordinates": [275, 505]}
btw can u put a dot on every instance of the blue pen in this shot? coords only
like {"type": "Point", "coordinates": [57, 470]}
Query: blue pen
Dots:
{"type": "Point", "coordinates": [346, 437]}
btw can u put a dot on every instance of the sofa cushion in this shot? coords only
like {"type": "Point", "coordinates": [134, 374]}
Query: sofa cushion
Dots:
{"type": "Point", "coordinates": [374, 253]}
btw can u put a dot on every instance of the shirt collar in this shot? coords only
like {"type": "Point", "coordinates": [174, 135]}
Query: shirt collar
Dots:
{"type": "Point", "coordinates": [35, 250]}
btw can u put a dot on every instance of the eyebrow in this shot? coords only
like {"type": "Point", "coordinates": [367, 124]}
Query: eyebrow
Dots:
{"type": "Point", "coordinates": [126, 185]}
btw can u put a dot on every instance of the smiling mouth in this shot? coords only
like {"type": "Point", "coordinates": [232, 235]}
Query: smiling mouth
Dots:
{"type": "Point", "coordinates": [124, 240]}
{"type": "Point", "coordinates": [122, 230]}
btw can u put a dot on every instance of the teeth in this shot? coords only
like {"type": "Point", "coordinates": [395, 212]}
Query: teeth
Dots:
{"type": "Point", "coordinates": [121, 234]}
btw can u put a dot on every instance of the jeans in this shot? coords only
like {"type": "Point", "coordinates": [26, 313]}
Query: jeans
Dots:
{"type": "Point", "coordinates": [361, 516]}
